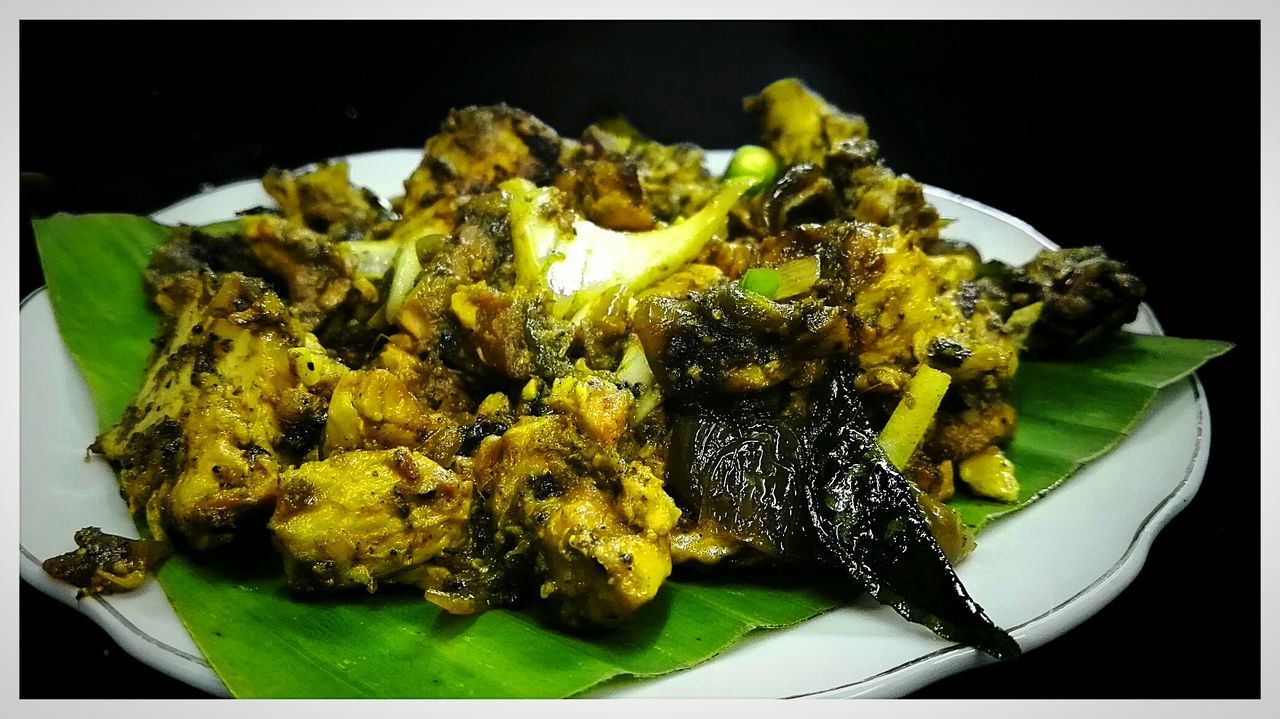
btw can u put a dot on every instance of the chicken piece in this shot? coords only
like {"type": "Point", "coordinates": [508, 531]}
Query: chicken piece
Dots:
{"type": "Point", "coordinates": [318, 271]}
{"type": "Point", "coordinates": [911, 312]}
{"type": "Point", "coordinates": [960, 434]}
{"type": "Point", "coordinates": [192, 249]}
{"type": "Point", "coordinates": [728, 339]}
{"type": "Point", "coordinates": [608, 192]}
{"type": "Point", "coordinates": [910, 307]}
{"type": "Point", "coordinates": [595, 527]}
{"type": "Point", "coordinates": [324, 200]}
{"type": "Point", "coordinates": [479, 251]}
{"type": "Point", "coordinates": [359, 518]}
{"type": "Point", "coordinates": [871, 192]}
{"type": "Point", "coordinates": [673, 179]}
{"type": "Point", "coordinates": [221, 410]}
{"type": "Point", "coordinates": [476, 149]}
{"type": "Point", "coordinates": [106, 563]}
{"type": "Point", "coordinates": [442, 388]}
{"type": "Point", "coordinates": [599, 407]}
{"type": "Point", "coordinates": [374, 409]}
{"type": "Point", "coordinates": [314, 272]}
{"type": "Point", "coordinates": [797, 125]}
{"type": "Point", "coordinates": [601, 328]}
{"type": "Point", "coordinates": [512, 333]}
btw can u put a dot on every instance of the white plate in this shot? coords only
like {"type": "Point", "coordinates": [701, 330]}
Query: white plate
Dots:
{"type": "Point", "coordinates": [1038, 573]}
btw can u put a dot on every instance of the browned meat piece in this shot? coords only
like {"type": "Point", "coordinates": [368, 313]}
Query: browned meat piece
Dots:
{"type": "Point", "coordinates": [609, 193]}
{"type": "Point", "coordinates": [797, 125]}
{"type": "Point", "coordinates": [480, 250]}
{"type": "Point", "coordinates": [728, 339]}
{"type": "Point", "coordinates": [967, 432]}
{"type": "Point", "coordinates": [107, 563]}
{"type": "Point", "coordinates": [325, 201]}
{"type": "Point", "coordinates": [476, 149]}
{"type": "Point", "coordinates": [673, 178]}
{"type": "Point", "coordinates": [800, 127]}
{"type": "Point", "coordinates": [512, 333]}
{"type": "Point", "coordinates": [317, 270]}
{"type": "Point", "coordinates": [593, 526]}
{"type": "Point", "coordinates": [375, 409]}
{"type": "Point", "coordinates": [360, 518]}
{"type": "Point", "coordinates": [222, 409]}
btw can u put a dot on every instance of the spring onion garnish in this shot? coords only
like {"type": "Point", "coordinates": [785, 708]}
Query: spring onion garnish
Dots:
{"type": "Point", "coordinates": [754, 162]}
{"type": "Point", "coordinates": [910, 419]}
{"type": "Point", "coordinates": [762, 281]}
{"type": "Point", "coordinates": [797, 277]}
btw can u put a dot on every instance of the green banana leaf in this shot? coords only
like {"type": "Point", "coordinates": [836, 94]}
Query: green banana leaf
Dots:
{"type": "Point", "coordinates": [1072, 412]}
{"type": "Point", "coordinates": [264, 642]}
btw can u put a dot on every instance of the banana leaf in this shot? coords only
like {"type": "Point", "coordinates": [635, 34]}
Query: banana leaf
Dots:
{"type": "Point", "coordinates": [1072, 412]}
{"type": "Point", "coordinates": [265, 642]}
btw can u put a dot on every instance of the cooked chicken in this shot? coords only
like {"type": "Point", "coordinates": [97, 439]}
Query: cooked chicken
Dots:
{"type": "Point", "coordinates": [363, 517]}
{"type": "Point", "coordinates": [221, 411]}
{"type": "Point", "coordinates": [609, 192]}
{"type": "Point", "coordinates": [512, 367]}
{"type": "Point", "coordinates": [318, 271]}
{"type": "Point", "coordinates": [479, 251]}
{"type": "Point", "coordinates": [512, 334]}
{"type": "Point", "coordinates": [375, 409]}
{"type": "Point", "coordinates": [106, 563]}
{"type": "Point", "coordinates": [798, 125]}
{"type": "Point", "coordinates": [324, 200]}
{"type": "Point", "coordinates": [802, 128]}
{"type": "Point", "coordinates": [594, 526]}
{"type": "Point", "coordinates": [476, 149]}
{"type": "Point", "coordinates": [626, 181]}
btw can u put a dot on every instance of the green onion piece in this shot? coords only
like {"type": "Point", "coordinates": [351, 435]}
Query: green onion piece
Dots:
{"type": "Point", "coordinates": [797, 277]}
{"type": "Point", "coordinates": [754, 162]}
{"type": "Point", "coordinates": [910, 419]}
{"type": "Point", "coordinates": [762, 281]}
{"type": "Point", "coordinates": [373, 257]}
{"type": "Point", "coordinates": [403, 277]}
{"type": "Point", "coordinates": [633, 369]}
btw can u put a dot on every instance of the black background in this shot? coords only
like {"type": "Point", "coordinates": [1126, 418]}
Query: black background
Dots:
{"type": "Point", "coordinates": [1142, 137]}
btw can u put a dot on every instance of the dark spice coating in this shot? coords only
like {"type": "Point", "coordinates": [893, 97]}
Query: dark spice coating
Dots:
{"type": "Point", "coordinates": [106, 563]}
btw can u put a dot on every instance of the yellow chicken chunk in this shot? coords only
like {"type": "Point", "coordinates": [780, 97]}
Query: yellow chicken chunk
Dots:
{"type": "Point", "coordinates": [597, 525]}
{"type": "Point", "coordinates": [360, 518]}
{"type": "Point", "coordinates": [221, 410]}
{"type": "Point", "coordinates": [374, 409]}
{"type": "Point", "coordinates": [600, 407]}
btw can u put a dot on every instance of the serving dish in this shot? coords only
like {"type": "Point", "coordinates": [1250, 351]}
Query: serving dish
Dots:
{"type": "Point", "coordinates": [1038, 573]}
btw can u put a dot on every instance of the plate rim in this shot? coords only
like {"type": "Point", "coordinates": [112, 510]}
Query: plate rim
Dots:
{"type": "Point", "coordinates": [902, 678]}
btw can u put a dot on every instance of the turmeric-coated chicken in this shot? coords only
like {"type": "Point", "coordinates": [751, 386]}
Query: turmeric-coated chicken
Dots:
{"type": "Point", "coordinates": [325, 201]}
{"type": "Point", "coordinates": [476, 149]}
{"type": "Point", "coordinates": [221, 411]}
{"type": "Point", "coordinates": [318, 271]}
{"type": "Point", "coordinates": [595, 526]}
{"type": "Point", "coordinates": [375, 409]}
{"type": "Point", "coordinates": [801, 128]}
{"type": "Point", "coordinates": [362, 517]}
